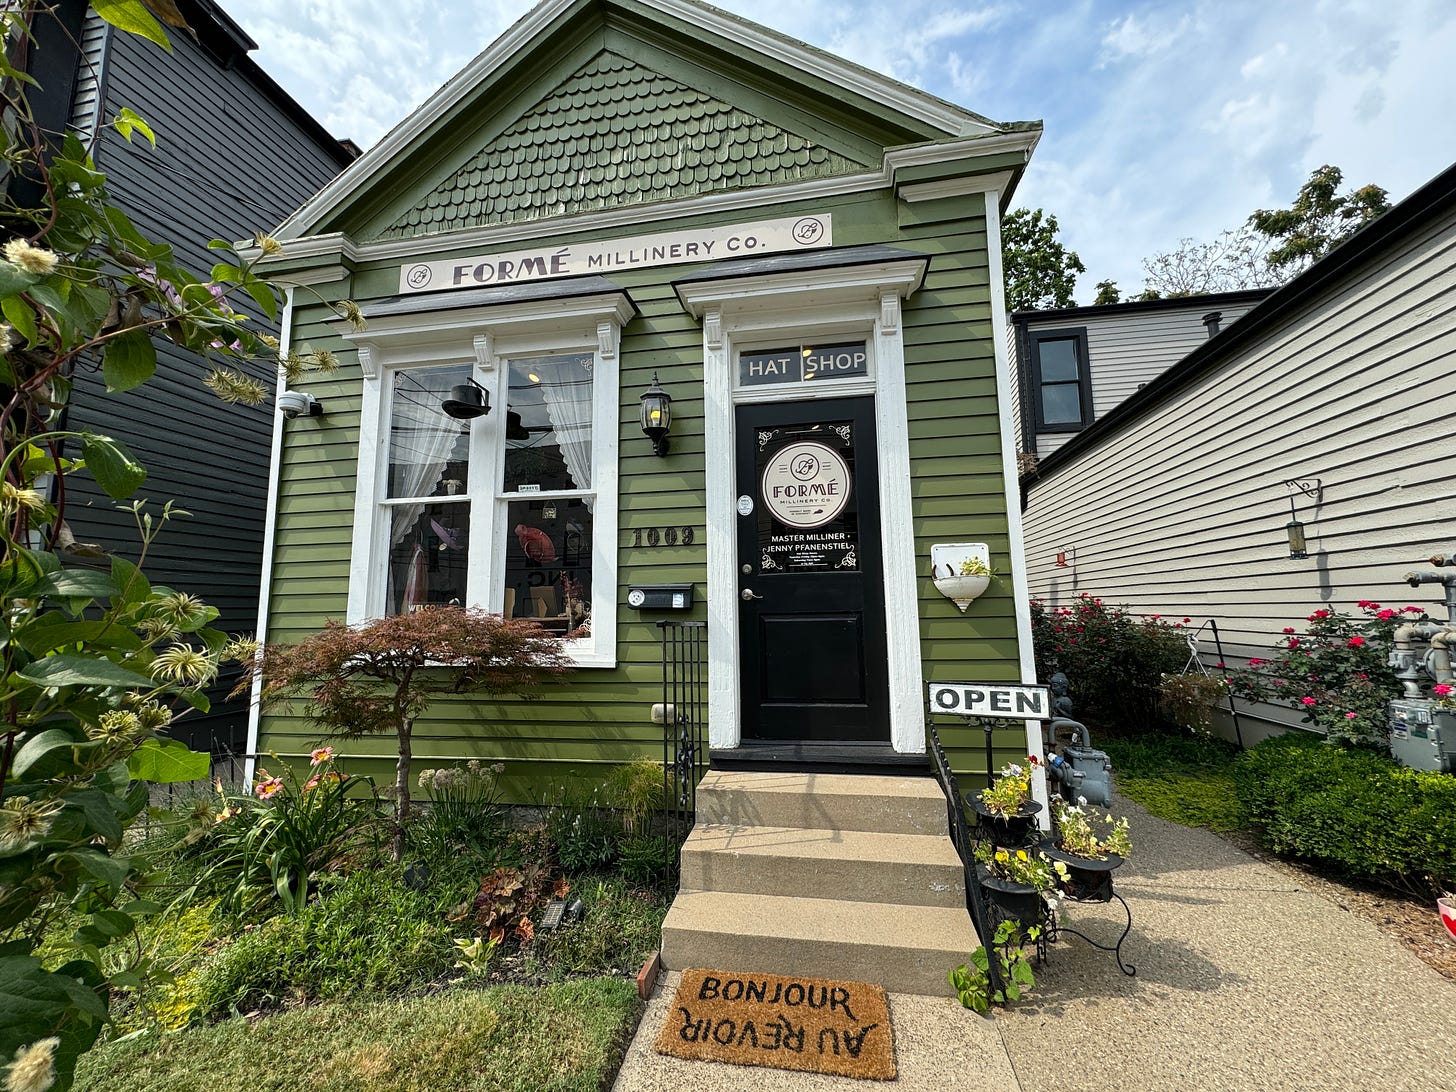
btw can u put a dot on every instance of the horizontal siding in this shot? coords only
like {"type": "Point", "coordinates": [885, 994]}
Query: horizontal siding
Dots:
{"type": "Point", "coordinates": [1127, 351]}
{"type": "Point", "coordinates": [1183, 512]}
{"type": "Point", "coordinates": [228, 163]}
{"type": "Point", "coordinates": [599, 717]}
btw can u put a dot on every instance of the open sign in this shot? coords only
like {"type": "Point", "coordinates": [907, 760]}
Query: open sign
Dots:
{"type": "Point", "coordinates": [990, 700]}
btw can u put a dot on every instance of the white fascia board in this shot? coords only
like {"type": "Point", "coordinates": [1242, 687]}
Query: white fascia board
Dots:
{"type": "Point", "coordinates": [431, 110]}
{"type": "Point", "coordinates": [850, 283]}
{"type": "Point", "coordinates": [796, 55]}
{"type": "Point", "coordinates": [834, 70]}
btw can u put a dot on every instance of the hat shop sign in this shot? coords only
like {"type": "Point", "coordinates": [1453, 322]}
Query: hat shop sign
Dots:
{"type": "Point", "coordinates": [707, 244]}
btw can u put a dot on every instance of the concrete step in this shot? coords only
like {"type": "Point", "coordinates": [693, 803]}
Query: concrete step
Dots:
{"type": "Point", "coordinates": [906, 949]}
{"type": "Point", "coordinates": [820, 801]}
{"type": "Point", "coordinates": [862, 866]}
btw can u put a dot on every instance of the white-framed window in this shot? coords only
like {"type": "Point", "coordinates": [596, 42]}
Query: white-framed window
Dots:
{"type": "Point", "coordinates": [515, 511]}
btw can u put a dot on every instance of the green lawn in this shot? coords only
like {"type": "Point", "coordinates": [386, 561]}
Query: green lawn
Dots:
{"type": "Point", "coordinates": [558, 1038]}
{"type": "Point", "coordinates": [1185, 780]}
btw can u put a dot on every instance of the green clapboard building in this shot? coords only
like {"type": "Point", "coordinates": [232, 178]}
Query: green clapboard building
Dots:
{"type": "Point", "coordinates": [804, 255]}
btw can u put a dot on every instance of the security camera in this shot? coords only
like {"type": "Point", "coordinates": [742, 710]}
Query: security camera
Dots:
{"type": "Point", "coordinates": [298, 404]}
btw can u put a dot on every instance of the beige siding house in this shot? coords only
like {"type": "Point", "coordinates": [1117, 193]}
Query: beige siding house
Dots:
{"type": "Point", "coordinates": [1075, 364]}
{"type": "Point", "coordinates": [1176, 501]}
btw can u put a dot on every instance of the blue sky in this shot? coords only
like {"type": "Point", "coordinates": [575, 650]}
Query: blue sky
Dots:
{"type": "Point", "coordinates": [1164, 120]}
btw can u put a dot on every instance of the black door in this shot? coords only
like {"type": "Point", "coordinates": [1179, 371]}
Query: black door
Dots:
{"type": "Point", "coordinates": [811, 633]}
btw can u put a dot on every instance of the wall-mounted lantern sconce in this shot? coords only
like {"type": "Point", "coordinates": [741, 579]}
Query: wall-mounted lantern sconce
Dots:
{"type": "Point", "coordinates": [298, 404]}
{"type": "Point", "coordinates": [656, 415]}
{"type": "Point", "coordinates": [1312, 489]}
{"type": "Point", "coordinates": [467, 400]}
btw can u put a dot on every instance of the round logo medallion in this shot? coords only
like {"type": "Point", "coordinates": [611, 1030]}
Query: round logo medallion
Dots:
{"type": "Point", "coordinates": [806, 485]}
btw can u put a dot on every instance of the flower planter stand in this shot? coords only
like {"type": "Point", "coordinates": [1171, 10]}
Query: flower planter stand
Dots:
{"type": "Point", "coordinates": [1007, 831]}
{"type": "Point", "coordinates": [1090, 881]}
{"type": "Point", "coordinates": [1007, 900]}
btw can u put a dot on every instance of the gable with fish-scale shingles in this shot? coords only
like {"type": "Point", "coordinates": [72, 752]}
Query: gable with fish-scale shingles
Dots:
{"type": "Point", "coordinates": [616, 133]}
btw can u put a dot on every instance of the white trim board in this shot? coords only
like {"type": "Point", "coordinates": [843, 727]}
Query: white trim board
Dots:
{"type": "Point", "coordinates": [1021, 596]}
{"type": "Point", "coordinates": [866, 297]}
{"type": "Point", "coordinates": [270, 532]}
{"type": "Point", "coordinates": [485, 336]}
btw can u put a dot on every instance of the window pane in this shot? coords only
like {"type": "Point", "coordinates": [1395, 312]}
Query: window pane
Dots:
{"type": "Point", "coordinates": [1058, 359]}
{"type": "Point", "coordinates": [429, 547]}
{"type": "Point", "coordinates": [1061, 404]}
{"type": "Point", "coordinates": [549, 423]}
{"type": "Point", "coordinates": [548, 563]}
{"type": "Point", "coordinates": [428, 451]}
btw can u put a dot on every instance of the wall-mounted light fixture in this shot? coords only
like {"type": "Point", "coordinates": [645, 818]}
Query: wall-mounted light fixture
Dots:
{"type": "Point", "coordinates": [1312, 489]}
{"type": "Point", "coordinates": [298, 404]}
{"type": "Point", "coordinates": [467, 400]}
{"type": "Point", "coordinates": [656, 415]}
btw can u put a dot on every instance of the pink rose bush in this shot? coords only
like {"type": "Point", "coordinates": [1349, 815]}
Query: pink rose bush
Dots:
{"type": "Point", "coordinates": [1336, 672]}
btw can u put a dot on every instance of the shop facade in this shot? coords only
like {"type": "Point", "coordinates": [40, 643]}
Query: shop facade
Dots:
{"type": "Point", "coordinates": [619, 199]}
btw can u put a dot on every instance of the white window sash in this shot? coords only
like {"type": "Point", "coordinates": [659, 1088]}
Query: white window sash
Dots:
{"type": "Point", "coordinates": [588, 325]}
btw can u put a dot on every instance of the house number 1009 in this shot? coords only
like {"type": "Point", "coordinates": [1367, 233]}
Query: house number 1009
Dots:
{"type": "Point", "coordinates": [662, 536]}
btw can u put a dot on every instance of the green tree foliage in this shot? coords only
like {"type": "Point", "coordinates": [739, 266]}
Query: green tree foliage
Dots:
{"type": "Point", "coordinates": [1040, 272]}
{"type": "Point", "coordinates": [1319, 219]}
{"type": "Point", "coordinates": [96, 660]}
{"type": "Point", "coordinates": [1107, 292]}
{"type": "Point", "coordinates": [1271, 247]}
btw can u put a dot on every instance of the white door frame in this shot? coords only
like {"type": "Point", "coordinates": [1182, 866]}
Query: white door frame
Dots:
{"type": "Point", "coordinates": [797, 306]}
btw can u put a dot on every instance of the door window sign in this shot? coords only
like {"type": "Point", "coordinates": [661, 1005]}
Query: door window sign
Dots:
{"type": "Point", "coordinates": [803, 363]}
{"type": "Point", "coordinates": [806, 485]}
{"type": "Point", "coordinates": [807, 519]}
{"type": "Point", "coordinates": [990, 700]}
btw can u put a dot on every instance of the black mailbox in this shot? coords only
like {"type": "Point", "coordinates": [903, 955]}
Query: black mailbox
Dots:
{"type": "Point", "coordinates": [660, 596]}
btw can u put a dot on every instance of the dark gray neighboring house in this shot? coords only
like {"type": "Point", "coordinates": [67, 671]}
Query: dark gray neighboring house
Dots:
{"type": "Point", "coordinates": [234, 155]}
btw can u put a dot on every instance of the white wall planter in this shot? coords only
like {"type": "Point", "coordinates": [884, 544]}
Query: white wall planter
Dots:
{"type": "Point", "coordinates": [945, 570]}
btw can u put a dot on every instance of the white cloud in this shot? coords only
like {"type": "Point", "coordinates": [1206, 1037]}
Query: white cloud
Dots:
{"type": "Point", "coordinates": [1140, 36]}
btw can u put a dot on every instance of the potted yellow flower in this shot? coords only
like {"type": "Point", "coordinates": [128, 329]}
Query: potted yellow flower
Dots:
{"type": "Point", "coordinates": [1006, 808]}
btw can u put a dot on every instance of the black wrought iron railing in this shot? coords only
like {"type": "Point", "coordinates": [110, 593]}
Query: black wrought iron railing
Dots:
{"type": "Point", "coordinates": [960, 837]}
{"type": "Point", "coordinates": [684, 720]}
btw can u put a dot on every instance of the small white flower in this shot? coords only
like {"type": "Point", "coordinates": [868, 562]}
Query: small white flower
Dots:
{"type": "Point", "coordinates": [32, 259]}
{"type": "Point", "coordinates": [34, 1068]}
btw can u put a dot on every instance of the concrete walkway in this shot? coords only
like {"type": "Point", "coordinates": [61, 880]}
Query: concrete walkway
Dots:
{"type": "Point", "coordinates": [1245, 980]}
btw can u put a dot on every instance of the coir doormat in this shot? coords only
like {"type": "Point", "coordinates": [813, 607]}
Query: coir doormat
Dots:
{"type": "Point", "coordinates": [810, 1024]}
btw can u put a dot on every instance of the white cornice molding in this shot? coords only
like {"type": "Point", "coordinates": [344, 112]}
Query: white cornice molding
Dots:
{"type": "Point", "coordinates": [870, 281]}
{"type": "Point", "coordinates": [938, 151]}
{"type": "Point", "coordinates": [955, 187]}
{"type": "Point", "coordinates": [794, 55]}
{"type": "Point", "coordinates": [338, 246]}
{"type": "Point", "coordinates": [490, 319]}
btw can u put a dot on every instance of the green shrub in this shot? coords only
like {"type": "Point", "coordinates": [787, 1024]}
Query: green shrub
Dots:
{"type": "Point", "coordinates": [1113, 660]}
{"type": "Point", "coordinates": [1355, 812]}
{"type": "Point", "coordinates": [367, 932]}
{"type": "Point", "coordinates": [583, 833]}
{"type": "Point", "coordinates": [465, 823]}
